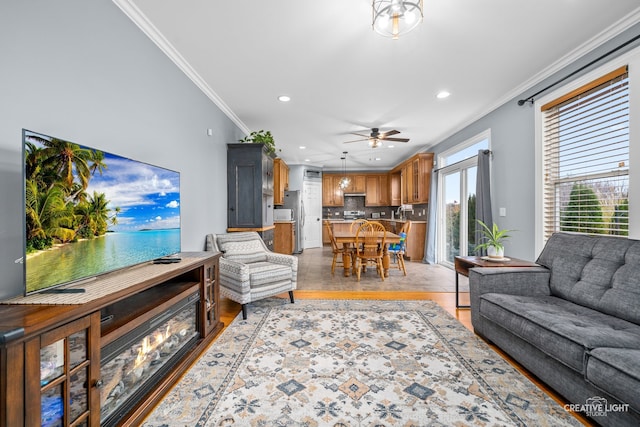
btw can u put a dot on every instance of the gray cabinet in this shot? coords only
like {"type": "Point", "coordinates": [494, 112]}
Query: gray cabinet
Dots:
{"type": "Point", "coordinates": [249, 189]}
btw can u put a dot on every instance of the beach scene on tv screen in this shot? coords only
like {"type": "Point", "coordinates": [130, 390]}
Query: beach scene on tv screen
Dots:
{"type": "Point", "coordinates": [90, 212]}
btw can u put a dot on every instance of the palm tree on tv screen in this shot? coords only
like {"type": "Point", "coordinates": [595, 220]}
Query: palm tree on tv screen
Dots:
{"type": "Point", "coordinates": [57, 205]}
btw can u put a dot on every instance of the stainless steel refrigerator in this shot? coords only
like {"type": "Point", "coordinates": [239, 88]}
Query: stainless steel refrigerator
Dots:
{"type": "Point", "coordinates": [293, 201]}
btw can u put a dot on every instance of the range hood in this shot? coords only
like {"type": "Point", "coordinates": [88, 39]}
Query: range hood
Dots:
{"type": "Point", "coordinates": [354, 194]}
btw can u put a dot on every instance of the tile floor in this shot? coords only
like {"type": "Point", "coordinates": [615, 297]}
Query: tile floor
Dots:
{"type": "Point", "coordinates": [314, 273]}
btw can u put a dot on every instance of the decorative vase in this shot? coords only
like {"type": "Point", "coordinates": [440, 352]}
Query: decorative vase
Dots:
{"type": "Point", "coordinates": [494, 252]}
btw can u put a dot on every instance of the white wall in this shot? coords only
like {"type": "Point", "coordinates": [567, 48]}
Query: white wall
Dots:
{"type": "Point", "coordinates": [82, 71]}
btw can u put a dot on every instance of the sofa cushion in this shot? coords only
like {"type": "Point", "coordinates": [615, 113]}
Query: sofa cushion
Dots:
{"type": "Point", "coordinates": [265, 273]}
{"type": "Point", "coordinates": [617, 372]}
{"type": "Point", "coordinates": [600, 272]}
{"type": "Point", "coordinates": [559, 328]}
{"type": "Point", "coordinates": [245, 250]}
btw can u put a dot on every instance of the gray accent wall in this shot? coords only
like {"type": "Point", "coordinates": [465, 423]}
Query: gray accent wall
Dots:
{"type": "Point", "coordinates": [513, 146]}
{"type": "Point", "coordinates": [82, 71]}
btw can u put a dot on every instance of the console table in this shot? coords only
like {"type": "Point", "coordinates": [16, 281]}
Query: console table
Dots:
{"type": "Point", "coordinates": [51, 348]}
{"type": "Point", "coordinates": [462, 265]}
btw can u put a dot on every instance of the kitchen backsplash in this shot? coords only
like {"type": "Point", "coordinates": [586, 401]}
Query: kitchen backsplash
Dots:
{"type": "Point", "coordinates": [356, 203]}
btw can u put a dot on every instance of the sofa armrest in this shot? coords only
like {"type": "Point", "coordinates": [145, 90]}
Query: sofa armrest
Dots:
{"type": "Point", "coordinates": [283, 259]}
{"type": "Point", "coordinates": [234, 272]}
{"type": "Point", "coordinates": [510, 280]}
{"type": "Point", "coordinates": [525, 281]}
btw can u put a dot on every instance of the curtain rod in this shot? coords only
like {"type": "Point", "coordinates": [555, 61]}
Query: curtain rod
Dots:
{"type": "Point", "coordinates": [531, 98]}
{"type": "Point", "coordinates": [485, 151]}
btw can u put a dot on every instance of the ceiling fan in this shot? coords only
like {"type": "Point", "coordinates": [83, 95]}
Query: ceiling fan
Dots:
{"type": "Point", "coordinates": [376, 137]}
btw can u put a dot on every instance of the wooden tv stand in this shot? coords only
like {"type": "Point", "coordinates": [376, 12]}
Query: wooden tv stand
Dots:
{"type": "Point", "coordinates": [28, 331]}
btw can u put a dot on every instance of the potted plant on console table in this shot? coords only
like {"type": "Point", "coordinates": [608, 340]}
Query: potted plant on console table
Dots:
{"type": "Point", "coordinates": [493, 238]}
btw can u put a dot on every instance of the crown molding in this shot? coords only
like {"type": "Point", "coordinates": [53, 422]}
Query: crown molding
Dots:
{"type": "Point", "coordinates": [140, 19]}
{"type": "Point", "coordinates": [609, 33]}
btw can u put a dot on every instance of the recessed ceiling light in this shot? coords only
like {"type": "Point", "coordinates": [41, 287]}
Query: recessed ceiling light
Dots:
{"type": "Point", "coordinates": [443, 94]}
{"type": "Point", "coordinates": [302, 147]}
{"type": "Point", "coordinates": [307, 160]}
{"type": "Point", "coordinates": [377, 159]}
{"type": "Point", "coordinates": [390, 146]}
{"type": "Point", "coordinates": [284, 98]}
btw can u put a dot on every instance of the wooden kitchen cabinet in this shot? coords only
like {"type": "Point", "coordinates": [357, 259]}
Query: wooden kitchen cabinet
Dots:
{"type": "Point", "coordinates": [377, 190]}
{"type": "Point", "coordinates": [284, 238]}
{"type": "Point", "coordinates": [416, 178]}
{"type": "Point", "coordinates": [414, 250]}
{"type": "Point", "coordinates": [358, 184]}
{"type": "Point", "coordinates": [332, 195]}
{"type": "Point", "coordinates": [280, 181]}
{"type": "Point", "coordinates": [407, 183]}
{"type": "Point", "coordinates": [395, 189]}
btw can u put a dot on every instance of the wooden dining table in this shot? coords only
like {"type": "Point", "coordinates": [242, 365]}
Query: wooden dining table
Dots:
{"type": "Point", "coordinates": [348, 238]}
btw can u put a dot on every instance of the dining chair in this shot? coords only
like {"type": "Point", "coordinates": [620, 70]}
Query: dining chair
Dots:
{"type": "Point", "coordinates": [370, 243]}
{"type": "Point", "coordinates": [356, 224]}
{"type": "Point", "coordinates": [397, 250]}
{"type": "Point", "coordinates": [338, 251]}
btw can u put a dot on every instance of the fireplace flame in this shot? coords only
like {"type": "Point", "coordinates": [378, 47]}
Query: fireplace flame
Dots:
{"type": "Point", "coordinates": [150, 343]}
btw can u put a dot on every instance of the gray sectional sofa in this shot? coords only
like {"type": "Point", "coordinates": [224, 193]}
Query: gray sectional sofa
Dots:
{"type": "Point", "coordinates": [574, 322]}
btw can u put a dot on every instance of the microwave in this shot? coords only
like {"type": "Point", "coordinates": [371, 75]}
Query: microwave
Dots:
{"type": "Point", "coordinates": [283, 214]}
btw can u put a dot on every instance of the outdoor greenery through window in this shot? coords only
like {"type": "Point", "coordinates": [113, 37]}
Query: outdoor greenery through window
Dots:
{"type": "Point", "coordinates": [586, 158]}
{"type": "Point", "coordinates": [457, 179]}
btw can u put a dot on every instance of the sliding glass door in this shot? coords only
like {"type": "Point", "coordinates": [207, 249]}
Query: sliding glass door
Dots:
{"type": "Point", "coordinates": [458, 211]}
{"type": "Point", "coordinates": [457, 199]}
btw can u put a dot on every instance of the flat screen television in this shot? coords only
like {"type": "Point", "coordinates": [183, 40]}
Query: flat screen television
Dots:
{"type": "Point", "coordinates": [89, 212]}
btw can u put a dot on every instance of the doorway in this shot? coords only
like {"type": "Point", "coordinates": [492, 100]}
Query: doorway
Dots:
{"type": "Point", "coordinates": [312, 198]}
{"type": "Point", "coordinates": [458, 211]}
{"type": "Point", "coordinates": [457, 199]}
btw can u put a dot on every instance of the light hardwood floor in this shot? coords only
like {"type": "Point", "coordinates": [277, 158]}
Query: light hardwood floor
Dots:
{"type": "Point", "coordinates": [423, 282]}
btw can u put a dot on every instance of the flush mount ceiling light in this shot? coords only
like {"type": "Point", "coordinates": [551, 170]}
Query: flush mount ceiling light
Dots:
{"type": "Point", "coordinates": [345, 181]}
{"type": "Point", "coordinates": [392, 18]}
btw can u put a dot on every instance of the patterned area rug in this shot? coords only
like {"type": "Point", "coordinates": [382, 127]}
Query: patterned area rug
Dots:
{"type": "Point", "coordinates": [353, 363]}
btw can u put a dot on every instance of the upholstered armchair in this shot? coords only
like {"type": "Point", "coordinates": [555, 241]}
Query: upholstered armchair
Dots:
{"type": "Point", "coordinates": [249, 271]}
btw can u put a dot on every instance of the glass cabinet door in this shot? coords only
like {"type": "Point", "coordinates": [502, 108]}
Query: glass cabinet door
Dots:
{"type": "Point", "coordinates": [209, 299]}
{"type": "Point", "coordinates": [64, 375]}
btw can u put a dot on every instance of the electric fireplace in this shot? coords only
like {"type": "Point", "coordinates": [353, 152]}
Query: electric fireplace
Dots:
{"type": "Point", "coordinates": [132, 364]}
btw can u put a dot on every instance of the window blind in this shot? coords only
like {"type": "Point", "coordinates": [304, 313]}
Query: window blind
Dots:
{"type": "Point", "coordinates": [586, 158]}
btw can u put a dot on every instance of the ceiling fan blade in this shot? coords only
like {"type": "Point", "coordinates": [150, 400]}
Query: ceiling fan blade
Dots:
{"type": "Point", "coordinates": [359, 134]}
{"type": "Point", "coordinates": [397, 139]}
{"type": "Point", "coordinates": [384, 135]}
{"type": "Point", "coordinates": [355, 140]}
